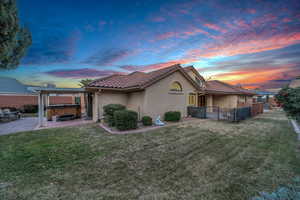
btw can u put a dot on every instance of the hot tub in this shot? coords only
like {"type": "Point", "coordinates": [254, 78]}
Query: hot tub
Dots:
{"type": "Point", "coordinates": [63, 110]}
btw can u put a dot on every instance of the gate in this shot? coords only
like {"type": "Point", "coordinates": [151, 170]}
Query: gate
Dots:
{"type": "Point", "coordinates": [198, 112]}
{"type": "Point", "coordinates": [213, 112]}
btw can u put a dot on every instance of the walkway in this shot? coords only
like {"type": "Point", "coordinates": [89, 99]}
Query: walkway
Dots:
{"type": "Point", "coordinates": [24, 124]}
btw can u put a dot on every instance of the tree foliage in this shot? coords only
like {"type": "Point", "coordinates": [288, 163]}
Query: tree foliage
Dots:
{"type": "Point", "coordinates": [85, 82]}
{"type": "Point", "coordinates": [14, 39]}
{"type": "Point", "coordinates": [290, 100]}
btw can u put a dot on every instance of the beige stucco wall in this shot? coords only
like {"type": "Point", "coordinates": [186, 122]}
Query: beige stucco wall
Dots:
{"type": "Point", "coordinates": [135, 102]}
{"type": "Point", "coordinates": [105, 98]}
{"type": "Point", "coordinates": [225, 101]}
{"type": "Point", "coordinates": [158, 98]}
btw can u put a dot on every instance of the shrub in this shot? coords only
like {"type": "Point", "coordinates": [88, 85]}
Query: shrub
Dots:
{"type": "Point", "coordinates": [172, 116]}
{"type": "Point", "coordinates": [290, 100]}
{"type": "Point", "coordinates": [125, 119]}
{"type": "Point", "coordinates": [147, 121]}
{"type": "Point", "coordinates": [30, 108]}
{"type": "Point", "coordinates": [109, 111]}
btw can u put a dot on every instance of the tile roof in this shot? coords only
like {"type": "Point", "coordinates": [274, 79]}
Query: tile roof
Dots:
{"type": "Point", "coordinates": [137, 80]}
{"type": "Point", "coordinates": [225, 88]}
{"type": "Point", "coordinates": [192, 68]}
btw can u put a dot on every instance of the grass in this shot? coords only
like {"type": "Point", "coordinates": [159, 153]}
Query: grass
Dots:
{"type": "Point", "coordinates": [197, 160]}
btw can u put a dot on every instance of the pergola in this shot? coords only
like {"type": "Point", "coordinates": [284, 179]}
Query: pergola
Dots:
{"type": "Point", "coordinates": [43, 98]}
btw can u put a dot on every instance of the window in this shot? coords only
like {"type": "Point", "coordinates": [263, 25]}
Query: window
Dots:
{"type": "Point", "coordinates": [176, 86]}
{"type": "Point", "coordinates": [192, 99]}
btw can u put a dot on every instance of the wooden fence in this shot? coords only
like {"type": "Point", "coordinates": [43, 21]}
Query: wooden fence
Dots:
{"type": "Point", "coordinates": [257, 108]}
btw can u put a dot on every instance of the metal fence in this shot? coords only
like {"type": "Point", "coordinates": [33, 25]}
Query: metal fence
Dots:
{"type": "Point", "coordinates": [217, 113]}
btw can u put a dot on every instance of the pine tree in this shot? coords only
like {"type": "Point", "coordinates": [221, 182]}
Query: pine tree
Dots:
{"type": "Point", "coordinates": [14, 39]}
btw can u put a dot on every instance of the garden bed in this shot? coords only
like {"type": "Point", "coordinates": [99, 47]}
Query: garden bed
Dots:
{"type": "Point", "coordinates": [141, 128]}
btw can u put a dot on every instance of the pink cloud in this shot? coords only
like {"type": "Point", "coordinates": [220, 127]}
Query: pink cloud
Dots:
{"type": "Point", "coordinates": [286, 20]}
{"type": "Point", "coordinates": [264, 19]}
{"type": "Point", "coordinates": [166, 35]}
{"type": "Point", "coordinates": [145, 68]}
{"type": "Point", "coordinates": [215, 27]}
{"type": "Point", "coordinates": [251, 11]}
{"type": "Point", "coordinates": [81, 73]}
{"type": "Point", "coordinates": [254, 43]}
{"type": "Point", "coordinates": [158, 19]}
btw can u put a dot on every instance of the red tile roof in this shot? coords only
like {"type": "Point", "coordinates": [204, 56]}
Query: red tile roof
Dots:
{"type": "Point", "coordinates": [137, 80]}
{"type": "Point", "coordinates": [225, 88]}
{"type": "Point", "coordinates": [192, 68]}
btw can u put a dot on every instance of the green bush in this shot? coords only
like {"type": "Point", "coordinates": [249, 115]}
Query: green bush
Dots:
{"type": "Point", "coordinates": [125, 119]}
{"type": "Point", "coordinates": [147, 121]}
{"type": "Point", "coordinates": [172, 116]}
{"type": "Point", "coordinates": [289, 98]}
{"type": "Point", "coordinates": [30, 108]}
{"type": "Point", "coordinates": [109, 111]}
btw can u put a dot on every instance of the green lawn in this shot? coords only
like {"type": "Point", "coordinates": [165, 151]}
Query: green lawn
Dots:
{"type": "Point", "coordinates": [199, 160]}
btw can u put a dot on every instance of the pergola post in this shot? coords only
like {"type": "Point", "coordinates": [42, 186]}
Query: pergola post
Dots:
{"type": "Point", "coordinates": [41, 109]}
{"type": "Point", "coordinates": [46, 104]}
{"type": "Point", "coordinates": [96, 107]}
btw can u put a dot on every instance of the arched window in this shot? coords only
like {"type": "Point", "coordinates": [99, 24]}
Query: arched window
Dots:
{"type": "Point", "coordinates": [176, 86]}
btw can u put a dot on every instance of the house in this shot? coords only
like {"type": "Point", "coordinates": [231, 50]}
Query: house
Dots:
{"type": "Point", "coordinates": [170, 89]}
{"type": "Point", "coordinates": [295, 83]}
{"type": "Point", "coordinates": [15, 94]}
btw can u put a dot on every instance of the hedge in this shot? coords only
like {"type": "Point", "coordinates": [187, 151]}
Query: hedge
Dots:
{"type": "Point", "coordinates": [147, 121]}
{"type": "Point", "coordinates": [30, 108]}
{"type": "Point", "coordinates": [172, 116]}
{"type": "Point", "coordinates": [125, 119]}
{"type": "Point", "coordinates": [109, 111]}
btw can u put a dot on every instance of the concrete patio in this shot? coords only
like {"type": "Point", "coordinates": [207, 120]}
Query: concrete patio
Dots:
{"type": "Point", "coordinates": [57, 124]}
{"type": "Point", "coordinates": [23, 124]}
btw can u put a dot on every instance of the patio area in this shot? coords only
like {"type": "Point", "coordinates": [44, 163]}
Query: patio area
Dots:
{"type": "Point", "coordinates": [52, 115]}
{"type": "Point", "coordinates": [57, 124]}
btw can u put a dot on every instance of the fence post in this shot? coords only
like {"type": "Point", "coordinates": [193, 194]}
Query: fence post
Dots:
{"type": "Point", "coordinates": [234, 116]}
{"type": "Point", "coordinates": [218, 113]}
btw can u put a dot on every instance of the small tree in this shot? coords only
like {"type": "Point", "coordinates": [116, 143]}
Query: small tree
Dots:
{"type": "Point", "coordinates": [290, 100]}
{"type": "Point", "coordinates": [85, 82]}
{"type": "Point", "coordinates": [14, 39]}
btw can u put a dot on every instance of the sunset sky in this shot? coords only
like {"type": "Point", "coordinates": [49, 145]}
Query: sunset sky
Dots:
{"type": "Point", "coordinates": [253, 43]}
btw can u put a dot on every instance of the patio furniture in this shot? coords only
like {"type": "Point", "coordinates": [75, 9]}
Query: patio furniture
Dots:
{"type": "Point", "coordinates": [8, 115]}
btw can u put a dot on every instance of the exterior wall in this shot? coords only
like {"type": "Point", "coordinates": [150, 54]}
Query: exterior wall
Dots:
{"type": "Point", "coordinates": [225, 101]}
{"type": "Point", "coordinates": [158, 98]}
{"type": "Point", "coordinates": [244, 101]}
{"type": "Point", "coordinates": [295, 83]}
{"type": "Point", "coordinates": [136, 102]}
{"type": "Point", "coordinates": [105, 98]}
{"type": "Point", "coordinates": [18, 101]}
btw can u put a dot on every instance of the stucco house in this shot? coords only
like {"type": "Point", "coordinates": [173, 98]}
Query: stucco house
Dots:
{"type": "Point", "coordinates": [295, 83]}
{"type": "Point", "coordinates": [170, 89]}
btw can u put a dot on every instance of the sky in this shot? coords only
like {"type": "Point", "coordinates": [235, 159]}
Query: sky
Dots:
{"type": "Point", "coordinates": [255, 43]}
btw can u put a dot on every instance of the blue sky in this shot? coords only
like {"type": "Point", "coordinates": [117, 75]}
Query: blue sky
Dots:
{"type": "Point", "coordinates": [254, 43]}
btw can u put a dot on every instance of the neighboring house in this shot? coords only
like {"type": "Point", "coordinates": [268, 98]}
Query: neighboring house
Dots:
{"type": "Point", "coordinates": [15, 94]}
{"type": "Point", "coordinates": [170, 89]}
{"type": "Point", "coordinates": [295, 83]}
